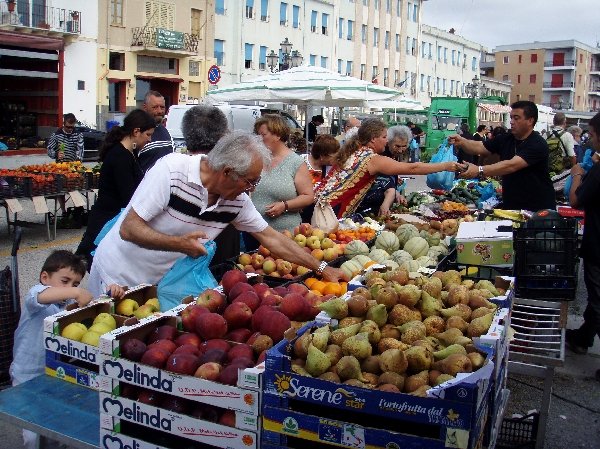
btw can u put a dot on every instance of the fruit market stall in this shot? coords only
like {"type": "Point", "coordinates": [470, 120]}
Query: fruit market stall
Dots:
{"type": "Point", "coordinates": [43, 182]}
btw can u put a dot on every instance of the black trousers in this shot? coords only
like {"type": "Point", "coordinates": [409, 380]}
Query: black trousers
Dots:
{"type": "Point", "coordinates": [584, 336]}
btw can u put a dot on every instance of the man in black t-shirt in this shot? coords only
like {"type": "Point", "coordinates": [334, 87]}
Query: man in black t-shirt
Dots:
{"type": "Point", "coordinates": [584, 194]}
{"type": "Point", "coordinates": [523, 163]}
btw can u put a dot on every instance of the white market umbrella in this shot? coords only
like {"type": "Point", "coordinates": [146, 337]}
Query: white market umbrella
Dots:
{"type": "Point", "coordinates": [306, 85]}
{"type": "Point", "coordinates": [400, 103]}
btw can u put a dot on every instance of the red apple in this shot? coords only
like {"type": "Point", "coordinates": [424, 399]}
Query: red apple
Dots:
{"type": "Point", "coordinates": [182, 363]}
{"type": "Point", "coordinates": [228, 417]}
{"type": "Point", "coordinates": [209, 371]}
{"type": "Point", "coordinates": [188, 349]}
{"type": "Point", "coordinates": [294, 306]}
{"type": "Point", "coordinates": [232, 277]}
{"type": "Point", "coordinates": [256, 316]}
{"type": "Point", "coordinates": [212, 300]}
{"type": "Point", "coordinates": [156, 357]}
{"type": "Point", "coordinates": [211, 325]}
{"type": "Point", "coordinates": [217, 343]}
{"type": "Point", "coordinates": [281, 291]}
{"type": "Point", "coordinates": [167, 345]}
{"type": "Point", "coordinates": [261, 289]}
{"type": "Point", "coordinates": [238, 335]}
{"type": "Point", "coordinates": [249, 298]}
{"type": "Point", "coordinates": [240, 351]}
{"type": "Point", "coordinates": [133, 349]}
{"type": "Point", "coordinates": [305, 229]}
{"type": "Point", "coordinates": [189, 314]}
{"type": "Point", "coordinates": [166, 332]}
{"type": "Point", "coordinates": [257, 260]}
{"type": "Point", "coordinates": [150, 397]}
{"type": "Point", "coordinates": [263, 251]}
{"type": "Point", "coordinates": [301, 289]}
{"type": "Point", "coordinates": [237, 314]}
{"type": "Point", "coordinates": [271, 300]}
{"type": "Point", "coordinates": [238, 289]}
{"type": "Point", "coordinates": [188, 338]}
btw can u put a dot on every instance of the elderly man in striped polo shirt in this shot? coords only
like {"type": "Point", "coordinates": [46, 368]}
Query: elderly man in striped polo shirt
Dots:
{"type": "Point", "coordinates": [65, 145]}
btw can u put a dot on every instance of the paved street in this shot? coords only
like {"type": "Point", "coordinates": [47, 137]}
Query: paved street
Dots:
{"type": "Point", "coordinates": [575, 410]}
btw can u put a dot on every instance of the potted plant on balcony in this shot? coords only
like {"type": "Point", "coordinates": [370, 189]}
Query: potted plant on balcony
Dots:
{"type": "Point", "coordinates": [75, 15]}
{"type": "Point", "coordinates": [11, 5]}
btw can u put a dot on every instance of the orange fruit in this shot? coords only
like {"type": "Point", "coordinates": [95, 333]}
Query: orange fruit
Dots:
{"type": "Point", "coordinates": [332, 288]}
{"type": "Point", "coordinates": [318, 286]}
{"type": "Point", "coordinates": [309, 282]}
{"type": "Point", "coordinates": [344, 286]}
{"type": "Point", "coordinates": [316, 292]}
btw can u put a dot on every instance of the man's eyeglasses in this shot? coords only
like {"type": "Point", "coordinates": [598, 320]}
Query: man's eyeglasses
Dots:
{"type": "Point", "coordinates": [251, 184]}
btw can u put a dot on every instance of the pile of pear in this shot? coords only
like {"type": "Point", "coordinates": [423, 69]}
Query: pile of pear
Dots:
{"type": "Point", "coordinates": [399, 334]}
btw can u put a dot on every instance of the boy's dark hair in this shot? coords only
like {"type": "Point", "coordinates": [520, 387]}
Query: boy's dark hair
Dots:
{"type": "Point", "coordinates": [69, 118]}
{"type": "Point", "coordinates": [529, 108]}
{"type": "Point", "coordinates": [64, 259]}
{"type": "Point", "coordinates": [480, 128]}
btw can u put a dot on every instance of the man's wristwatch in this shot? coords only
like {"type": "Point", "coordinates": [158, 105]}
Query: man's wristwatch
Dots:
{"type": "Point", "coordinates": [481, 175]}
{"type": "Point", "coordinates": [321, 268]}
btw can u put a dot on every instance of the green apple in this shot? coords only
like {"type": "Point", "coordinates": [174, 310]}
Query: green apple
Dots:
{"type": "Point", "coordinates": [107, 319]}
{"type": "Point", "coordinates": [91, 338]}
{"type": "Point", "coordinates": [100, 328]}
{"type": "Point", "coordinates": [143, 311]}
{"type": "Point", "coordinates": [127, 306]}
{"type": "Point", "coordinates": [74, 331]}
{"type": "Point", "coordinates": [154, 303]}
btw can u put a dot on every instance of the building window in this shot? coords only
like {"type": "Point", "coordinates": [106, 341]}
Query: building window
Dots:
{"type": "Point", "coordinates": [157, 65]}
{"type": "Point", "coordinates": [264, 10]}
{"type": "Point", "coordinates": [445, 55]}
{"type": "Point", "coordinates": [423, 49]}
{"type": "Point", "coordinates": [363, 32]}
{"type": "Point", "coordinates": [386, 72]}
{"type": "Point", "coordinates": [375, 37]}
{"type": "Point", "coordinates": [220, 7]}
{"type": "Point", "coordinates": [453, 61]}
{"type": "Point", "coordinates": [340, 28]}
{"type": "Point", "coordinates": [366, 2]}
{"type": "Point", "coordinates": [532, 98]}
{"type": "Point", "coordinates": [313, 60]}
{"type": "Point", "coordinates": [518, 79]}
{"type": "Point", "coordinates": [117, 93]}
{"type": "Point", "coordinates": [388, 6]}
{"type": "Point", "coordinates": [474, 64]}
{"type": "Point", "coordinates": [387, 40]}
{"type": "Point", "coordinates": [313, 21]}
{"type": "Point", "coordinates": [349, 68]}
{"type": "Point", "coordinates": [80, 85]}
{"type": "Point", "coordinates": [283, 14]}
{"type": "Point", "coordinates": [505, 60]}
{"type": "Point", "coordinates": [160, 15]}
{"type": "Point", "coordinates": [520, 59]}
{"type": "Point", "coordinates": [350, 30]}
{"type": "Point", "coordinates": [504, 77]}
{"type": "Point", "coordinates": [295, 16]}
{"type": "Point", "coordinates": [324, 23]}
{"type": "Point", "coordinates": [430, 53]}
{"type": "Point", "coordinates": [409, 9]}
{"type": "Point", "coordinates": [429, 84]}
{"type": "Point", "coordinates": [533, 57]}
{"type": "Point", "coordinates": [415, 15]}
{"type": "Point", "coordinates": [422, 83]}
{"type": "Point", "coordinates": [340, 62]}
{"type": "Point", "coordinates": [532, 79]}
{"type": "Point", "coordinates": [377, 4]}
{"type": "Point", "coordinates": [396, 77]}
{"type": "Point", "coordinates": [116, 61]}
{"type": "Point", "coordinates": [374, 73]}
{"type": "Point", "coordinates": [219, 53]}
{"type": "Point", "coordinates": [248, 50]}
{"type": "Point", "coordinates": [249, 9]}
{"type": "Point", "coordinates": [439, 53]}
{"type": "Point", "coordinates": [451, 87]}
{"type": "Point", "coordinates": [444, 86]}
{"type": "Point", "coordinates": [262, 58]}
{"type": "Point", "coordinates": [324, 61]}
{"type": "Point", "coordinates": [581, 58]}
{"type": "Point", "coordinates": [413, 48]}
{"type": "Point", "coordinates": [197, 19]}
{"type": "Point", "coordinates": [363, 69]}
{"type": "Point", "coordinates": [397, 42]}
{"type": "Point", "coordinates": [437, 85]}
{"type": "Point", "coordinates": [116, 12]}
{"type": "Point", "coordinates": [408, 45]}
{"type": "Point", "coordinates": [194, 69]}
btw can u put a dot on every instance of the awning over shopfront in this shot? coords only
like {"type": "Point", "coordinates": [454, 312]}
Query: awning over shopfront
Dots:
{"type": "Point", "coordinates": [119, 80]}
{"type": "Point", "coordinates": [30, 41]}
{"type": "Point", "coordinates": [162, 78]}
{"type": "Point", "coordinates": [496, 108]}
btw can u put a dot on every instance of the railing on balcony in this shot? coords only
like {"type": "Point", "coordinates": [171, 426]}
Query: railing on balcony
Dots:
{"type": "Point", "coordinates": [554, 84]}
{"type": "Point", "coordinates": [565, 63]}
{"type": "Point", "coordinates": [164, 39]}
{"type": "Point", "coordinates": [40, 17]}
{"type": "Point", "coordinates": [558, 105]}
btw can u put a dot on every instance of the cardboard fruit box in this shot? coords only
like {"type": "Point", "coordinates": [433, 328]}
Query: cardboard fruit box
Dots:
{"type": "Point", "coordinates": [115, 409]}
{"type": "Point", "coordinates": [485, 243]}
{"type": "Point", "coordinates": [115, 367]}
{"type": "Point", "coordinates": [453, 404]}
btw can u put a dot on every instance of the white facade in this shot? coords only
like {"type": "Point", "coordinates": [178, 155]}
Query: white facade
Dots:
{"type": "Point", "coordinates": [448, 63]}
{"type": "Point", "coordinates": [79, 82]}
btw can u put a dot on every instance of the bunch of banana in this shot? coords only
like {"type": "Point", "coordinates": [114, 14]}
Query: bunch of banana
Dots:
{"type": "Point", "coordinates": [513, 215]}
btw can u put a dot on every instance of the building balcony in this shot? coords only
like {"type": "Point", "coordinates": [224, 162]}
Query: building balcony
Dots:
{"type": "Point", "coordinates": [558, 105]}
{"type": "Point", "coordinates": [555, 65]}
{"type": "Point", "coordinates": [160, 40]}
{"type": "Point", "coordinates": [594, 90]}
{"type": "Point", "coordinates": [39, 19]}
{"type": "Point", "coordinates": [568, 85]}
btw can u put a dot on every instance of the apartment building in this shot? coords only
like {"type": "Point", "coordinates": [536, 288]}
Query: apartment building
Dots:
{"type": "Point", "coordinates": [448, 62]}
{"type": "Point", "coordinates": [560, 74]}
{"type": "Point", "coordinates": [162, 45]}
{"type": "Point", "coordinates": [42, 50]}
{"type": "Point", "coordinates": [375, 40]}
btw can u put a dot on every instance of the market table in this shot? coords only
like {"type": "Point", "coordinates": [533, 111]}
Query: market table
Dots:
{"type": "Point", "coordinates": [55, 409]}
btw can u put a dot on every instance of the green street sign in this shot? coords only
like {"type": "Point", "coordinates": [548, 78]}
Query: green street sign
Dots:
{"type": "Point", "coordinates": [172, 40]}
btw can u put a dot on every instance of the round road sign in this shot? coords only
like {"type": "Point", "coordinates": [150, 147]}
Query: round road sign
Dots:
{"type": "Point", "coordinates": [214, 74]}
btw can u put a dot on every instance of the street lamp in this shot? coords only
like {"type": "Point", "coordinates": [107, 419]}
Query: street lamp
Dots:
{"type": "Point", "coordinates": [475, 87]}
{"type": "Point", "coordinates": [289, 58]}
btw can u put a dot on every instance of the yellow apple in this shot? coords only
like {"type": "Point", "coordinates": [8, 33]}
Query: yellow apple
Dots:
{"type": "Point", "coordinates": [91, 338]}
{"type": "Point", "coordinates": [154, 303]}
{"type": "Point", "coordinates": [143, 311]}
{"type": "Point", "coordinates": [127, 306]}
{"type": "Point", "coordinates": [74, 331]}
{"type": "Point", "coordinates": [107, 319]}
{"type": "Point", "coordinates": [100, 328]}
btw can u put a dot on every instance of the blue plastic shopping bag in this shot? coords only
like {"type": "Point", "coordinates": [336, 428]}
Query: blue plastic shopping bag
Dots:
{"type": "Point", "coordinates": [188, 276]}
{"type": "Point", "coordinates": [442, 180]}
{"type": "Point", "coordinates": [586, 164]}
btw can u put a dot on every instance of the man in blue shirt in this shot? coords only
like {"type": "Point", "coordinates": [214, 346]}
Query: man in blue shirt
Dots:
{"type": "Point", "coordinates": [161, 143]}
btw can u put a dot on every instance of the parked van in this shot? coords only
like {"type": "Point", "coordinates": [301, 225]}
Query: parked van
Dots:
{"type": "Point", "coordinates": [238, 117]}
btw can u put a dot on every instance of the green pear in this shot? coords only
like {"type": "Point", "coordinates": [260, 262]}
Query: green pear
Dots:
{"type": "Point", "coordinates": [416, 381]}
{"type": "Point", "coordinates": [317, 362]}
{"type": "Point", "coordinates": [371, 328]}
{"type": "Point", "coordinates": [449, 336]}
{"type": "Point", "coordinates": [461, 310]}
{"type": "Point", "coordinates": [358, 345]}
{"type": "Point", "coordinates": [393, 360]}
{"type": "Point", "coordinates": [320, 337]}
{"type": "Point", "coordinates": [349, 368]}
{"type": "Point", "coordinates": [452, 349]}
{"type": "Point", "coordinates": [336, 308]}
{"type": "Point", "coordinates": [484, 284]}
{"type": "Point", "coordinates": [419, 358]}
{"type": "Point", "coordinates": [338, 336]}
{"type": "Point", "coordinates": [477, 360]}
{"type": "Point", "coordinates": [429, 305]}
{"type": "Point", "coordinates": [143, 311]}
{"type": "Point", "coordinates": [378, 314]}
{"type": "Point", "coordinates": [412, 331]}
{"type": "Point", "coordinates": [480, 326]}
{"type": "Point", "coordinates": [456, 363]}
{"type": "Point", "coordinates": [408, 294]}
{"type": "Point", "coordinates": [442, 378]}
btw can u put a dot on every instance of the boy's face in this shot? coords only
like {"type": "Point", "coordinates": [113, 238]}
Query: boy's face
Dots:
{"type": "Point", "coordinates": [65, 277]}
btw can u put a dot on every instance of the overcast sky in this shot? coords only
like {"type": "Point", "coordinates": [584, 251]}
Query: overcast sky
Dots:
{"type": "Point", "coordinates": [503, 22]}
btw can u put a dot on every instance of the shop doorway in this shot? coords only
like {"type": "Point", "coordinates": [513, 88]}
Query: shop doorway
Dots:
{"type": "Point", "coordinates": [168, 88]}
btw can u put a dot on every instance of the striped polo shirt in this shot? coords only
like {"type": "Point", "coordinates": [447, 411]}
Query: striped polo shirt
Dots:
{"type": "Point", "coordinates": [71, 144]}
{"type": "Point", "coordinates": [173, 201]}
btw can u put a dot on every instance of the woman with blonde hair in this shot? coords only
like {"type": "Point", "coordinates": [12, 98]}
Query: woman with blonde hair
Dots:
{"type": "Point", "coordinates": [285, 187]}
{"type": "Point", "coordinates": [359, 162]}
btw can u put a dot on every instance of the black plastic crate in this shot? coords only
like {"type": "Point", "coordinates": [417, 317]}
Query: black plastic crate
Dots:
{"type": "Point", "coordinates": [518, 433]}
{"type": "Point", "coordinates": [546, 257]}
{"type": "Point", "coordinates": [91, 180]}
